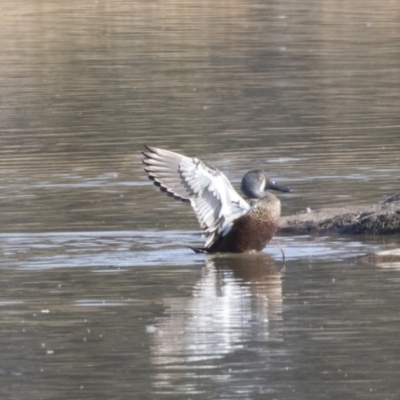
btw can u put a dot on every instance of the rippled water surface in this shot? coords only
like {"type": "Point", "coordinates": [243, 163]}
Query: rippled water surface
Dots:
{"type": "Point", "coordinates": [100, 296]}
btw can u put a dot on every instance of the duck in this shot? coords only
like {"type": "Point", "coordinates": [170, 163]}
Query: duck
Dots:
{"type": "Point", "coordinates": [229, 222]}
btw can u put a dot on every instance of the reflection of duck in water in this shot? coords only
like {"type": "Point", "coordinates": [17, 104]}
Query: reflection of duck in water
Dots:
{"type": "Point", "coordinates": [237, 301]}
{"type": "Point", "coordinates": [229, 223]}
{"type": "Point", "coordinates": [253, 268]}
{"type": "Point", "coordinates": [258, 274]}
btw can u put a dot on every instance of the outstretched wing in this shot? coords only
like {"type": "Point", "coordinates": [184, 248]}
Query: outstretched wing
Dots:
{"type": "Point", "coordinates": [213, 198]}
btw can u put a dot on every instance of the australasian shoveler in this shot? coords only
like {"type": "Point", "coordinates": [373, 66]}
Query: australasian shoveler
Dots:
{"type": "Point", "coordinates": [229, 222]}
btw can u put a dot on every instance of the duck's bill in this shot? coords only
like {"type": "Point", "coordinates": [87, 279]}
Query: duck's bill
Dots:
{"type": "Point", "coordinates": [275, 186]}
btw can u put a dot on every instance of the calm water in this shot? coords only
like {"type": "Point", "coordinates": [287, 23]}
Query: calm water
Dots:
{"type": "Point", "coordinates": [100, 297]}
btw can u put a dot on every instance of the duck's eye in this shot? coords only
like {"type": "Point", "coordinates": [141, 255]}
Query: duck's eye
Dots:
{"type": "Point", "coordinates": [260, 178]}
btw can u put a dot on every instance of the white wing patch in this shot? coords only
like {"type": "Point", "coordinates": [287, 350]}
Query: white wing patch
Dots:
{"type": "Point", "coordinates": [213, 198]}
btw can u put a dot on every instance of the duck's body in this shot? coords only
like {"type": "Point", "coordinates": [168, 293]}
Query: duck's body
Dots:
{"type": "Point", "coordinates": [253, 230]}
{"type": "Point", "coordinates": [229, 222]}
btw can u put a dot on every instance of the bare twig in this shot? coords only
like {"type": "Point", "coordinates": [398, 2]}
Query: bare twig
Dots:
{"type": "Point", "coordinates": [282, 252]}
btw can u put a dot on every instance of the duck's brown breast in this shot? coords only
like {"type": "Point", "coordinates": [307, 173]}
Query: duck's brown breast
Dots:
{"type": "Point", "coordinates": [253, 230]}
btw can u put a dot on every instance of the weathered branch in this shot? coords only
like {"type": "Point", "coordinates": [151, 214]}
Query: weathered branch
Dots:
{"type": "Point", "coordinates": [382, 218]}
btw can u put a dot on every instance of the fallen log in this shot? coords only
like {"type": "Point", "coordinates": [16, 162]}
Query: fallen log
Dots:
{"type": "Point", "coordinates": [378, 219]}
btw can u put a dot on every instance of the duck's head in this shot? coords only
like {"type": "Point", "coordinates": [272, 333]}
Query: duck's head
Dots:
{"type": "Point", "coordinates": [255, 184]}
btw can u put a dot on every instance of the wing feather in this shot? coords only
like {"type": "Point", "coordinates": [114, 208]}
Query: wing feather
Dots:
{"type": "Point", "coordinates": [213, 198]}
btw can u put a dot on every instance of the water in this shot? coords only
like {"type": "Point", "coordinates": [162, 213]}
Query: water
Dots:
{"type": "Point", "coordinates": [100, 296]}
